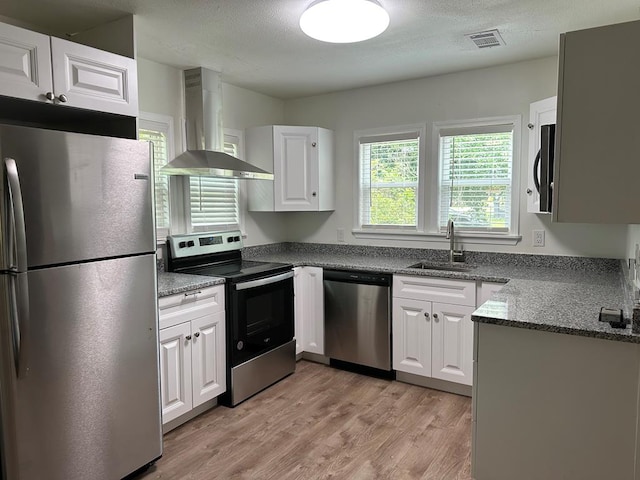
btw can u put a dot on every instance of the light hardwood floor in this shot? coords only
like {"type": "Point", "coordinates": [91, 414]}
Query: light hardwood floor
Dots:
{"type": "Point", "coordinates": [323, 423]}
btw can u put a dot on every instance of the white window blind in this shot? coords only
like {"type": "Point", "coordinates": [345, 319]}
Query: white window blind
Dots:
{"type": "Point", "coordinates": [476, 167]}
{"type": "Point", "coordinates": [158, 134]}
{"type": "Point", "coordinates": [389, 179]}
{"type": "Point", "coordinates": [214, 201]}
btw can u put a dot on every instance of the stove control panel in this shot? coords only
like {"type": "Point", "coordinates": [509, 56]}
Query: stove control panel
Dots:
{"type": "Point", "coordinates": [190, 245]}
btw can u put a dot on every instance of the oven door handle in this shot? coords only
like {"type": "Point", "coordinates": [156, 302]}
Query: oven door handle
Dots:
{"type": "Point", "coordinates": [263, 281]}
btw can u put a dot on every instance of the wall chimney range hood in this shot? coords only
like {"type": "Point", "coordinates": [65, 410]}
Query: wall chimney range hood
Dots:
{"type": "Point", "coordinates": [205, 154]}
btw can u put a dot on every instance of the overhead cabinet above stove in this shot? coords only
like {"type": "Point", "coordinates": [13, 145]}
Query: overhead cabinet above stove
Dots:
{"type": "Point", "coordinates": [597, 156]}
{"type": "Point", "coordinates": [302, 161]}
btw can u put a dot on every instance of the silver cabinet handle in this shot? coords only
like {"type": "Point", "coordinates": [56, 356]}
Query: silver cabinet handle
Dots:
{"type": "Point", "coordinates": [192, 294]}
{"type": "Point", "coordinates": [187, 338]}
{"type": "Point", "coordinates": [50, 96]}
{"type": "Point", "coordinates": [529, 191]}
{"type": "Point", "coordinates": [62, 97]}
{"type": "Point", "coordinates": [313, 194]}
{"type": "Point", "coordinates": [313, 144]}
{"type": "Point", "coordinates": [426, 314]}
{"type": "Point", "coordinates": [530, 125]}
{"type": "Point", "coordinates": [435, 315]}
{"type": "Point", "coordinates": [197, 334]}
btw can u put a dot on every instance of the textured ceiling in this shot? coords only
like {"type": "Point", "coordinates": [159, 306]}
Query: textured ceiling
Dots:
{"type": "Point", "coordinates": [258, 44]}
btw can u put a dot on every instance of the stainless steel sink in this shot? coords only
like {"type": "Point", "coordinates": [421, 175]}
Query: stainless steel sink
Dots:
{"type": "Point", "coordinates": [451, 267]}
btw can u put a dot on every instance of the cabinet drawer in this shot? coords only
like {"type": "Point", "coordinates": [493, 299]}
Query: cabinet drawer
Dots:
{"type": "Point", "coordinates": [444, 290]}
{"type": "Point", "coordinates": [183, 307]}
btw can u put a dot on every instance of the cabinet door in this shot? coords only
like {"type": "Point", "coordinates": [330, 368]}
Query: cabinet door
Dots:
{"type": "Point", "coordinates": [298, 291]}
{"type": "Point", "coordinates": [94, 79]}
{"type": "Point", "coordinates": [175, 371]}
{"type": "Point", "coordinates": [208, 357]}
{"type": "Point", "coordinates": [540, 113]}
{"type": "Point", "coordinates": [411, 328]}
{"type": "Point", "coordinates": [597, 141]}
{"type": "Point", "coordinates": [25, 63]}
{"type": "Point", "coordinates": [313, 310]}
{"type": "Point", "coordinates": [452, 343]}
{"type": "Point", "coordinates": [295, 168]}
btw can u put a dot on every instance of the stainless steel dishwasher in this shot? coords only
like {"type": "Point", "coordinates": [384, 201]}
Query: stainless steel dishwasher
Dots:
{"type": "Point", "coordinates": [357, 318]}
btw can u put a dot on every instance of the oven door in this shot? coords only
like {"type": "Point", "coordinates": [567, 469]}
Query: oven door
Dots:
{"type": "Point", "coordinates": [261, 316]}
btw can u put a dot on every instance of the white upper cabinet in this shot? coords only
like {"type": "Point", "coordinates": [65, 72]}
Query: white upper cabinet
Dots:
{"type": "Point", "coordinates": [540, 113]}
{"type": "Point", "coordinates": [48, 69]}
{"type": "Point", "coordinates": [597, 143]}
{"type": "Point", "coordinates": [25, 63]}
{"type": "Point", "coordinates": [302, 161]}
{"type": "Point", "coordinates": [94, 79]}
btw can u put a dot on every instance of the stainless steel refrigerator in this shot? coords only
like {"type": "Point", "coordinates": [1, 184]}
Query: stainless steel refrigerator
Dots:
{"type": "Point", "coordinates": [79, 385]}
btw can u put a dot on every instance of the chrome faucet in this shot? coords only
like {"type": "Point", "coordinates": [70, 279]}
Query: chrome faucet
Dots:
{"type": "Point", "coordinates": [454, 255]}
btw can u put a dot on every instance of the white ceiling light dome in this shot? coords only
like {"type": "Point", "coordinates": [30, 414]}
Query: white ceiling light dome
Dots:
{"type": "Point", "coordinates": [344, 21]}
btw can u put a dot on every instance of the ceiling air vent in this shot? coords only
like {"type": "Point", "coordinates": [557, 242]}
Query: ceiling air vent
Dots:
{"type": "Point", "coordinates": [490, 38]}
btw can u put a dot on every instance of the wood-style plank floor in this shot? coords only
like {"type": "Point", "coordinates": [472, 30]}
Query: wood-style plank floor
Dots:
{"type": "Point", "coordinates": [324, 423]}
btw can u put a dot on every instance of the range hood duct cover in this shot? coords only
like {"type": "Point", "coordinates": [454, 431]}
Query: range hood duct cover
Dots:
{"type": "Point", "coordinates": [205, 154]}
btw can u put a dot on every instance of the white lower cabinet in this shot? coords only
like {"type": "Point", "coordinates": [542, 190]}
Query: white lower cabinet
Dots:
{"type": "Point", "coordinates": [192, 350]}
{"type": "Point", "coordinates": [309, 310]}
{"type": "Point", "coordinates": [432, 338]}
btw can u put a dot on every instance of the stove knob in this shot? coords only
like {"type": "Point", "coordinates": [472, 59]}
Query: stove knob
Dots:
{"type": "Point", "coordinates": [236, 239]}
{"type": "Point", "coordinates": [182, 244]}
{"type": "Point", "coordinates": [190, 243]}
{"type": "Point", "coordinates": [240, 345]}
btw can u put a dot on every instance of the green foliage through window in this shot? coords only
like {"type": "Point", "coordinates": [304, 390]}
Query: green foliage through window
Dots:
{"type": "Point", "coordinates": [475, 182]}
{"type": "Point", "coordinates": [389, 182]}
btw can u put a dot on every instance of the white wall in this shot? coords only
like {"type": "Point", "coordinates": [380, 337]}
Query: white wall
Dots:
{"type": "Point", "coordinates": [495, 91]}
{"type": "Point", "coordinates": [160, 89]}
{"type": "Point", "coordinates": [244, 108]}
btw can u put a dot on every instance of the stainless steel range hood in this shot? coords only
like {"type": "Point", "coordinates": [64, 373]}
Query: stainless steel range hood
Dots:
{"type": "Point", "coordinates": [205, 154]}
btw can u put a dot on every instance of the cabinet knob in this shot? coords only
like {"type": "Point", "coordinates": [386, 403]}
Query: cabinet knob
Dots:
{"type": "Point", "coordinates": [313, 144]}
{"type": "Point", "coordinates": [187, 338]}
{"type": "Point", "coordinates": [530, 125]}
{"type": "Point", "coordinates": [197, 334]}
{"type": "Point", "coordinates": [50, 96]}
{"type": "Point", "coordinates": [313, 194]}
{"type": "Point", "coordinates": [62, 97]}
{"type": "Point", "coordinates": [529, 191]}
{"type": "Point", "coordinates": [426, 314]}
{"type": "Point", "coordinates": [435, 316]}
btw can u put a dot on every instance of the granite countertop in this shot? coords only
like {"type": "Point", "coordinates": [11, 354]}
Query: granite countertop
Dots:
{"type": "Point", "coordinates": [557, 294]}
{"type": "Point", "coordinates": [172, 283]}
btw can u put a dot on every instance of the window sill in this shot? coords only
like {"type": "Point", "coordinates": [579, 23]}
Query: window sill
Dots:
{"type": "Point", "coordinates": [467, 238]}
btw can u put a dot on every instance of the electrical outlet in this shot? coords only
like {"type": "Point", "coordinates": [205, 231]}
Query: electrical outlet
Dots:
{"type": "Point", "coordinates": [341, 234]}
{"type": "Point", "coordinates": [538, 238]}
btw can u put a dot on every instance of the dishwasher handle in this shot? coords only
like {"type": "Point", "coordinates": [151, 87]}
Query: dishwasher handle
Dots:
{"type": "Point", "coordinates": [355, 276]}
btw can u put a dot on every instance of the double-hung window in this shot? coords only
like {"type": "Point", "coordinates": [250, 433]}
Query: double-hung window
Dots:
{"type": "Point", "coordinates": [477, 175]}
{"type": "Point", "coordinates": [214, 202]}
{"type": "Point", "coordinates": [158, 129]}
{"type": "Point", "coordinates": [208, 203]}
{"type": "Point", "coordinates": [390, 178]}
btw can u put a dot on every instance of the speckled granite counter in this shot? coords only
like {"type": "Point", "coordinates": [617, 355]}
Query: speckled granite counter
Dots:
{"type": "Point", "coordinates": [171, 283]}
{"type": "Point", "coordinates": [556, 294]}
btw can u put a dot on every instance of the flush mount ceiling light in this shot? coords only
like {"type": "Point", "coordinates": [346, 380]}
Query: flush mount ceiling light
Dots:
{"type": "Point", "coordinates": [344, 21]}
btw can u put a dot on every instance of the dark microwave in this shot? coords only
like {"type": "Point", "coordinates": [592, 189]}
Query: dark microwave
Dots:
{"type": "Point", "coordinates": [543, 167]}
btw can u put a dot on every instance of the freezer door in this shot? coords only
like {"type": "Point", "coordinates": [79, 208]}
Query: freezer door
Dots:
{"type": "Point", "coordinates": [88, 405]}
{"type": "Point", "coordinates": [85, 197]}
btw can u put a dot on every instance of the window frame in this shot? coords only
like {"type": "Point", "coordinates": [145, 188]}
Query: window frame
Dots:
{"type": "Point", "coordinates": [161, 123]}
{"type": "Point", "coordinates": [231, 136]}
{"type": "Point", "coordinates": [471, 126]}
{"type": "Point", "coordinates": [384, 133]}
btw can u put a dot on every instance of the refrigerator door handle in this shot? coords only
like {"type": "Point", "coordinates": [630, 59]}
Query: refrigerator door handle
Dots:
{"type": "Point", "coordinates": [19, 294]}
{"type": "Point", "coordinates": [17, 214]}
